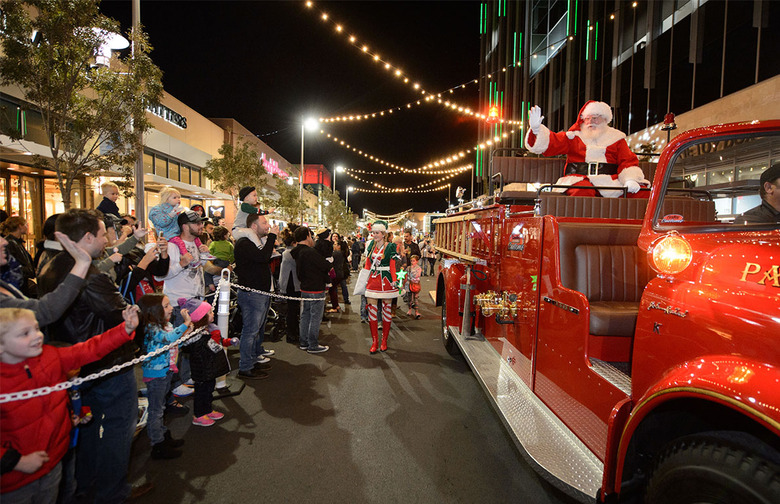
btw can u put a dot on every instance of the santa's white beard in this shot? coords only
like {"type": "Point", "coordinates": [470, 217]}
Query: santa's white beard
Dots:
{"type": "Point", "coordinates": [593, 131]}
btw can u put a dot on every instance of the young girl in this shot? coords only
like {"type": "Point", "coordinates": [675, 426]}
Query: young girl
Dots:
{"type": "Point", "coordinates": [207, 360]}
{"type": "Point", "coordinates": [157, 332]}
{"type": "Point", "coordinates": [165, 218]}
{"type": "Point", "coordinates": [413, 274]}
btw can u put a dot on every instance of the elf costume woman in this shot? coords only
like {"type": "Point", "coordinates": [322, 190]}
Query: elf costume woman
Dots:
{"type": "Point", "coordinates": [381, 260]}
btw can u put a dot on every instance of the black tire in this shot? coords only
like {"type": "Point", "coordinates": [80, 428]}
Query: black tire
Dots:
{"type": "Point", "coordinates": [449, 341]}
{"type": "Point", "coordinates": [702, 470]}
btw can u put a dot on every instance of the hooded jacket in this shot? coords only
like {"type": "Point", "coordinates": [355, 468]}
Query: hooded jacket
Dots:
{"type": "Point", "coordinates": [312, 268]}
{"type": "Point", "coordinates": [43, 423]}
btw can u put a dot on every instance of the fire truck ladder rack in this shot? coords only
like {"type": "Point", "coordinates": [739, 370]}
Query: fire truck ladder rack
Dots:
{"type": "Point", "coordinates": [454, 239]}
{"type": "Point", "coordinates": [541, 437]}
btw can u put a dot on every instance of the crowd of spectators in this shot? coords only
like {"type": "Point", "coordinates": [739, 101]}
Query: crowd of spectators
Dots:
{"type": "Point", "coordinates": [82, 288]}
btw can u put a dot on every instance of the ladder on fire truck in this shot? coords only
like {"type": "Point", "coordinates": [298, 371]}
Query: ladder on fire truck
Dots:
{"type": "Point", "coordinates": [542, 438]}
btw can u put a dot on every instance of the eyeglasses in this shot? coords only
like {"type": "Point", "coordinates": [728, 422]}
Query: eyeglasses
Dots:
{"type": "Point", "coordinates": [594, 119]}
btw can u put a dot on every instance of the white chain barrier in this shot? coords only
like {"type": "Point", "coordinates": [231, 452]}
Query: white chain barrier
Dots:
{"type": "Point", "coordinates": [223, 311]}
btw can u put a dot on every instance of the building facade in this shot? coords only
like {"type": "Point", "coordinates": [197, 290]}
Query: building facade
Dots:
{"type": "Point", "coordinates": [706, 61]}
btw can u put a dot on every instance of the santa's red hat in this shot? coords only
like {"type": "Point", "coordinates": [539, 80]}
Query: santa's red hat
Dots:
{"type": "Point", "coordinates": [592, 108]}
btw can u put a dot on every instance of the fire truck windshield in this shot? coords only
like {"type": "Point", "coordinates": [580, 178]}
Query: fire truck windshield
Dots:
{"type": "Point", "coordinates": [715, 185]}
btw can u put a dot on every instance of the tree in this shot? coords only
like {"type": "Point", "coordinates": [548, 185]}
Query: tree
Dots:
{"type": "Point", "coordinates": [289, 204]}
{"type": "Point", "coordinates": [239, 166]}
{"type": "Point", "coordinates": [94, 116]}
{"type": "Point", "coordinates": [336, 215]}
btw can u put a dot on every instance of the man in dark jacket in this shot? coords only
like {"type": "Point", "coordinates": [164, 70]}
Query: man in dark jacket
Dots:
{"type": "Point", "coordinates": [102, 458]}
{"type": "Point", "coordinates": [313, 275]}
{"type": "Point", "coordinates": [253, 271]}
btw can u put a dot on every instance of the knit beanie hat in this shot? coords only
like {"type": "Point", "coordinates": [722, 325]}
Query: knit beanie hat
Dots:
{"type": "Point", "coordinates": [244, 192]}
{"type": "Point", "coordinates": [197, 308]}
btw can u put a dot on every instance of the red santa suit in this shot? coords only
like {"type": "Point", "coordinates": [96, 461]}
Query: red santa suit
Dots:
{"type": "Point", "coordinates": [609, 146]}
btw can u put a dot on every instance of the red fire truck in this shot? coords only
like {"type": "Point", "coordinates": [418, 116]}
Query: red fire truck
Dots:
{"type": "Point", "coordinates": [628, 344]}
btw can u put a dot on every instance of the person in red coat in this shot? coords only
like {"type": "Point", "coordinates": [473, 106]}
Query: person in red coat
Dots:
{"type": "Point", "coordinates": [596, 154]}
{"type": "Point", "coordinates": [34, 433]}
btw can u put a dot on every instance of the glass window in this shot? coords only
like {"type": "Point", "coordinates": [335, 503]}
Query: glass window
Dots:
{"type": "Point", "coordinates": [195, 177]}
{"type": "Point", "coordinates": [719, 204]}
{"type": "Point", "coordinates": [148, 163]}
{"type": "Point", "coordinates": [184, 175]}
{"type": "Point", "coordinates": [173, 170]}
{"type": "Point", "coordinates": [160, 166]}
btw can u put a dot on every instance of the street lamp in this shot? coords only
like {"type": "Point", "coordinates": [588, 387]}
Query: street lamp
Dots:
{"type": "Point", "coordinates": [338, 169]}
{"type": "Point", "coordinates": [311, 125]}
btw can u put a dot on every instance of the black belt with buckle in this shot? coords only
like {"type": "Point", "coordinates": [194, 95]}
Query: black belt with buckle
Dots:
{"type": "Point", "coordinates": [591, 169]}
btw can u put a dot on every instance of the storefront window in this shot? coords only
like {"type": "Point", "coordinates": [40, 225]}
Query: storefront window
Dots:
{"type": "Point", "coordinates": [184, 176]}
{"type": "Point", "coordinates": [160, 166]}
{"type": "Point", "coordinates": [148, 163]}
{"type": "Point", "coordinates": [173, 170]}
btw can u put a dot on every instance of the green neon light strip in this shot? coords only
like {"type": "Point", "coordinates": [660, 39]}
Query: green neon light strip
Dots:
{"type": "Point", "coordinates": [568, 9]}
{"type": "Point", "coordinates": [576, 12]}
{"type": "Point", "coordinates": [478, 166]}
{"type": "Point", "coordinates": [520, 47]}
{"type": "Point", "coordinates": [596, 43]}
{"type": "Point", "coordinates": [481, 17]}
{"type": "Point", "coordinates": [514, 61]}
{"type": "Point", "coordinates": [587, 41]}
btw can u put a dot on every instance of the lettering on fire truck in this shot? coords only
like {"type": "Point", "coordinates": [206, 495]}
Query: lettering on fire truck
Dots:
{"type": "Point", "coordinates": [772, 274]}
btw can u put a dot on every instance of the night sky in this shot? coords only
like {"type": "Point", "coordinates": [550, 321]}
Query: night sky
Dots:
{"type": "Point", "coordinates": [270, 64]}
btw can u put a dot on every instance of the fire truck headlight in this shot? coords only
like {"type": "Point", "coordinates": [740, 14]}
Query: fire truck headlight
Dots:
{"type": "Point", "coordinates": [670, 254]}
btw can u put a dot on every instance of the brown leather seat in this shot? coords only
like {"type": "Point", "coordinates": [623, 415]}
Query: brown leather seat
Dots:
{"type": "Point", "coordinates": [588, 207]}
{"type": "Point", "coordinates": [604, 263]}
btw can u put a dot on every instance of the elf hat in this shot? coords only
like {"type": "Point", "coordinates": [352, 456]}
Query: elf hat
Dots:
{"type": "Point", "coordinates": [379, 225]}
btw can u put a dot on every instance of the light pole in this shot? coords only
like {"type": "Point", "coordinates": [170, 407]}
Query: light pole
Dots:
{"type": "Point", "coordinates": [337, 169]}
{"type": "Point", "coordinates": [311, 125]}
{"type": "Point", "coordinates": [346, 203]}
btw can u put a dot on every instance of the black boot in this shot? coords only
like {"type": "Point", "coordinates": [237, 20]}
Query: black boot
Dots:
{"type": "Point", "coordinates": [165, 451]}
{"type": "Point", "coordinates": [170, 441]}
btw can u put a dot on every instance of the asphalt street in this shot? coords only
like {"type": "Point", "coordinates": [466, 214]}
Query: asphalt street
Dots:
{"type": "Point", "coordinates": [409, 425]}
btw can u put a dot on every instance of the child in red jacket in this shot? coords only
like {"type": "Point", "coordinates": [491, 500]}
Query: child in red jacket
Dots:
{"type": "Point", "coordinates": [34, 433]}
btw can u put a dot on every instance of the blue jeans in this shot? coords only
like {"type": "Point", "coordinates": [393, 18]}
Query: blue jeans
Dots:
{"type": "Point", "coordinates": [102, 462]}
{"type": "Point", "coordinates": [254, 312]}
{"type": "Point", "coordinates": [156, 391]}
{"type": "Point", "coordinates": [311, 318]}
{"type": "Point", "coordinates": [43, 490]}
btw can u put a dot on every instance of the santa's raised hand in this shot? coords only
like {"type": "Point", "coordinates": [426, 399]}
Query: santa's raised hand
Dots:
{"type": "Point", "coordinates": [535, 119]}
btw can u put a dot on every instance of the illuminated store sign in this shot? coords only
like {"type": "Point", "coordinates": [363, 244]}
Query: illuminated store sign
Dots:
{"type": "Point", "coordinates": [168, 115]}
{"type": "Point", "coordinates": [272, 166]}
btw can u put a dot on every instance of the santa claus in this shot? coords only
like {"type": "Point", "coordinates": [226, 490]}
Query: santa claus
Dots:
{"type": "Point", "coordinates": [596, 154]}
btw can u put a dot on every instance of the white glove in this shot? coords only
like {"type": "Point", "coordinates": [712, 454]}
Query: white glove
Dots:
{"type": "Point", "coordinates": [329, 259]}
{"type": "Point", "coordinates": [632, 186]}
{"type": "Point", "coordinates": [535, 119]}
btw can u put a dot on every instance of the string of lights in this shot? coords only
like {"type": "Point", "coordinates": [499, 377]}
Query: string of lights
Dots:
{"type": "Point", "coordinates": [382, 191]}
{"type": "Point", "coordinates": [436, 172]}
{"type": "Point", "coordinates": [423, 169]}
{"type": "Point", "coordinates": [376, 216]}
{"type": "Point", "coordinates": [411, 188]}
{"type": "Point", "coordinates": [398, 73]}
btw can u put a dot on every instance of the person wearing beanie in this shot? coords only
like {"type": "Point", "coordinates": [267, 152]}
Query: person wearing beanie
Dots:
{"type": "Point", "coordinates": [207, 360]}
{"type": "Point", "coordinates": [382, 260]}
{"type": "Point", "coordinates": [596, 154]}
{"type": "Point", "coordinates": [247, 197]}
{"type": "Point", "coordinates": [312, 271]}
{"type": "Point", "coordinates": [768, 212]}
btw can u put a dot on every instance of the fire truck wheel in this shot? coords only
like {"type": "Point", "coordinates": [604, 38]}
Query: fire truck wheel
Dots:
{"type": "Point", "coordinates": [449, 342]}
{"type": "Point", "coordinates": [699, 470]}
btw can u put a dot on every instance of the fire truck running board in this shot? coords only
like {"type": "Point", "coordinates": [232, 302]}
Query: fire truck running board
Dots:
{"type": "Point", "coordinates": [543, 440]}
